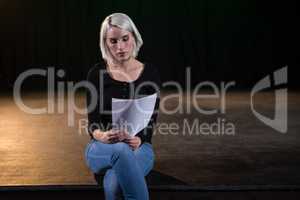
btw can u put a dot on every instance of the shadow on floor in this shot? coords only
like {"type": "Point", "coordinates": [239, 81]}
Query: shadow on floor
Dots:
{"type": "Point", "coordinates": [154, 178]}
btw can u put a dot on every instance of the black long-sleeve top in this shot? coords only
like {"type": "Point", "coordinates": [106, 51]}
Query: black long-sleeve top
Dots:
{"type": "Point", "coordinates": [107, 88]}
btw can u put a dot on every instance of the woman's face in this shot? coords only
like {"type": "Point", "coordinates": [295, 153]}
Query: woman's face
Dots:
{"type": "Point", "coordinates": [120, 43]}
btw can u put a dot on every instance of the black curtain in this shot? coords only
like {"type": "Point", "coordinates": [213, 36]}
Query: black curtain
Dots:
{"type": "Point", "coordinates": [220, 40]}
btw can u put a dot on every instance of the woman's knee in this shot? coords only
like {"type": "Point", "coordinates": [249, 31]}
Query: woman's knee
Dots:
{"type": "Point", "coordinates": [121, 148]}
{"type": "Point", "coordinates": [97, 157]}
{"type": "Point", "coordinates": [121, 151]}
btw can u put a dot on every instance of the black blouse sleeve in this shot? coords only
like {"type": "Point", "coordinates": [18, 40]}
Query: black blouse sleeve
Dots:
{"type": "Point", "coordinates": [94, 116]}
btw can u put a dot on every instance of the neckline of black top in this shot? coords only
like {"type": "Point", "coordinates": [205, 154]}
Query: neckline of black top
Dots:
{"type": "Point", "coordinates": [126, 82]}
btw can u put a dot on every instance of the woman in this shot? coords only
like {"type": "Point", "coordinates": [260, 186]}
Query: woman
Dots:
{"type": "Point", "coordinates": [125, 160]}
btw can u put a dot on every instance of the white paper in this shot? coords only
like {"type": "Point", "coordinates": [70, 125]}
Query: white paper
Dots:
{"type": "Point", "coordinates": [132, 114]}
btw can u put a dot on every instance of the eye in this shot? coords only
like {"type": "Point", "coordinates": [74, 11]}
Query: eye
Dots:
{"type": "Point", "coordinates": [125, 38]}
{"type": "Point", "coordinates": [113, 41]}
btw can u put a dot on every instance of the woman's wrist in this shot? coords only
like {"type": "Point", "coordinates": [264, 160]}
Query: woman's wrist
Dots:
{"type": "Point", "coordinates": [97, 133]}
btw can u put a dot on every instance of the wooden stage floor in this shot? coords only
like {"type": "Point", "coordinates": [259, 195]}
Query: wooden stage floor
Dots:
{"type": "Point", "coordinates": [44, 150]}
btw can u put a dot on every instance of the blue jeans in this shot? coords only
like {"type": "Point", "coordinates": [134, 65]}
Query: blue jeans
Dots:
{"type": "Point", "coordinates": [125, 169]}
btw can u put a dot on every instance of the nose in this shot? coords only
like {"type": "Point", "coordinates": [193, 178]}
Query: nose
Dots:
{"type": "Point", "coordinates": [120, 45]}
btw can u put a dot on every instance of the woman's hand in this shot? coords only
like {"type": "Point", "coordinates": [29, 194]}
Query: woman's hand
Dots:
{"type": "Point", "coordinates": [123, 135]}
{"type": "Point", "coordinates": [111, 136]}
{"type": "Point", "coordinates": [134, 142]}
{"type": "Point", "coordinates": [107, 137]}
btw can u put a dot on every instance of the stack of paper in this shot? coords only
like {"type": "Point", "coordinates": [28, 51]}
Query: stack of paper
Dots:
{"type": "Point", "coordinates": [133, 115]}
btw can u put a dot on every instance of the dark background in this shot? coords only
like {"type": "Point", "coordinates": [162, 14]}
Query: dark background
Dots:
{"type": "Point", "coordinates": [240, 41]}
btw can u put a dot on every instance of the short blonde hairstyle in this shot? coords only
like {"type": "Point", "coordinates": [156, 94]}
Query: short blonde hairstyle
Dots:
{"type": "Point", "coordinates": [122, 21]}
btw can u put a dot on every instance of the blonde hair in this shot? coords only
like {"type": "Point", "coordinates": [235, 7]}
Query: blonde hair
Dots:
{"type": "Point", "coordinates": [122, 21]}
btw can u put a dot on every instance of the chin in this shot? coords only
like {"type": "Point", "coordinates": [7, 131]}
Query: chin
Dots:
{"type": "Point", "coordinates": [123, 59]}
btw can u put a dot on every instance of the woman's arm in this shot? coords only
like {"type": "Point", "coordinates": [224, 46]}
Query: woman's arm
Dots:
{"type": "Point", "coordinates": [94, 116]}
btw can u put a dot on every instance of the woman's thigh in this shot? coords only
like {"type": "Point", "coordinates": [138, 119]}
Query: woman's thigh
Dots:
{"type": "Point", "coordinates": [145, 157]}
{"type": "Point", "coordinates": [98, 156]}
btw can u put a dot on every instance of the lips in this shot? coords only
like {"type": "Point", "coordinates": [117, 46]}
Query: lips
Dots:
{"type": "Point", "coordinates": [121, 53]}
